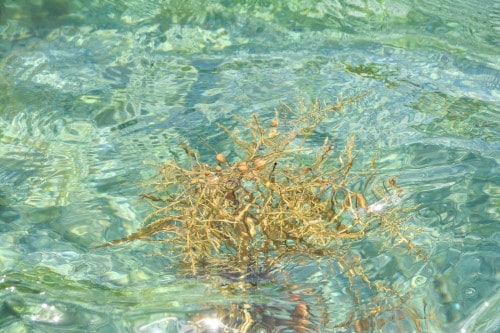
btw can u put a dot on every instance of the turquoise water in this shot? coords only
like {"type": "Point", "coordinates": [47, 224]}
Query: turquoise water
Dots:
{"type": "Point", "coordinates": [92, 93]}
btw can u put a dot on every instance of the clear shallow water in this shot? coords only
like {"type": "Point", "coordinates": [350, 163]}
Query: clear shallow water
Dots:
{"type": "Point", "coordinates": [90, 90]}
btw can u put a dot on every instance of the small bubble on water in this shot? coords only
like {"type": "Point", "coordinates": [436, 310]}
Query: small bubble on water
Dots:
{"type": "Point", "coordinates": [469, 292]}
{"type": "Point", "coordinates": [418, 280]}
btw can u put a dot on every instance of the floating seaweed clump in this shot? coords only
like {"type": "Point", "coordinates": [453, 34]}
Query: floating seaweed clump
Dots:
{"type": "Point", "coordinates": [278, 197]}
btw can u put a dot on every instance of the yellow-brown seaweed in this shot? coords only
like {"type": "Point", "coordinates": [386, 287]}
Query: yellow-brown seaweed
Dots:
{"type": "Point", "coordinates": [280, 197]}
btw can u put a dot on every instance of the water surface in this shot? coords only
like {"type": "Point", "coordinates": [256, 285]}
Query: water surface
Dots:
{"type": "Point", "coordinates": [93, 92]}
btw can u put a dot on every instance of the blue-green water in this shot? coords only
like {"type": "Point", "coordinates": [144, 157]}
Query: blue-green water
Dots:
{"type": "Point", "coordinates": [93, 92]}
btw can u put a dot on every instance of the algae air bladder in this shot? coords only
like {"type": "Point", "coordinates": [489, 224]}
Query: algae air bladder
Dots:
{"type": "Point", "coordinates": [280, 196]}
